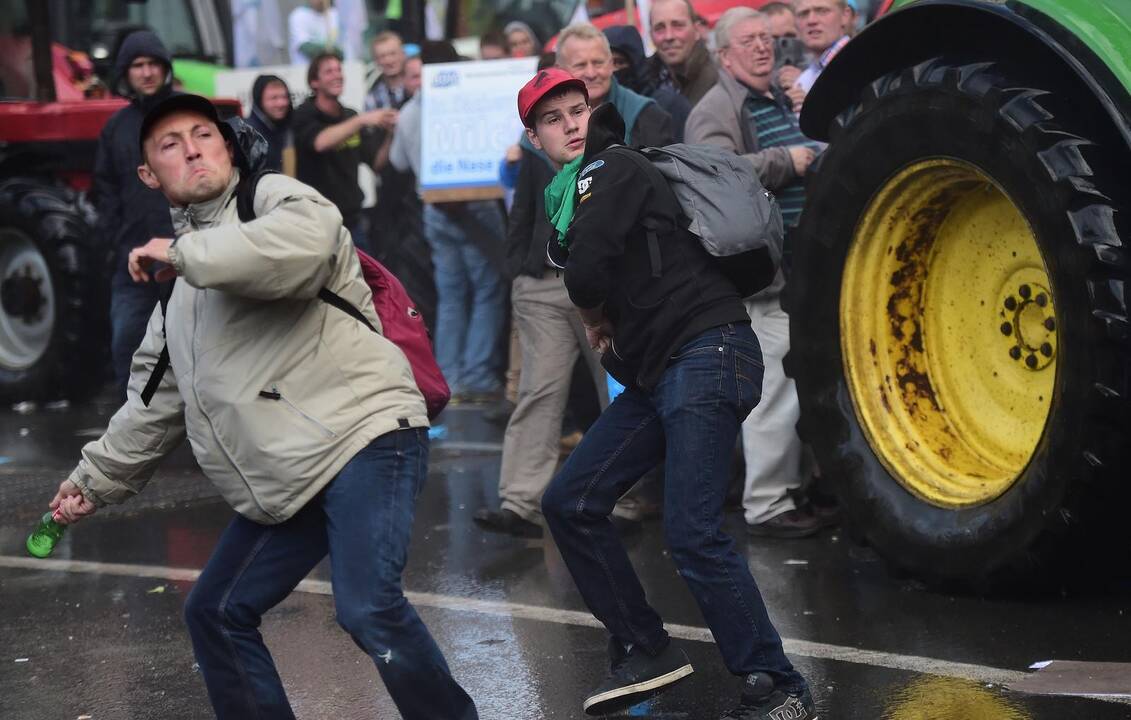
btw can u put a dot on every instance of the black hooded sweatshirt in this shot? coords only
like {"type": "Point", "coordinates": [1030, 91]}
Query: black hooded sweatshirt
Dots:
{"type": "Point", "coordinates": [277, 134]}
{"type": "Point", "coordinates": [609, 260]}
{"type": "Point", "coordinates": [129, 213]}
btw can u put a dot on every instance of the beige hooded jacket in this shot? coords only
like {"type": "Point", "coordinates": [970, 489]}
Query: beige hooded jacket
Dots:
{"type": "Point", "coordinates": [275, 390]}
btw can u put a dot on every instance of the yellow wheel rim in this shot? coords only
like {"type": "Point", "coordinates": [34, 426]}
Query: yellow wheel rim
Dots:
{"type": "Point", "coordinates": [948, 333]}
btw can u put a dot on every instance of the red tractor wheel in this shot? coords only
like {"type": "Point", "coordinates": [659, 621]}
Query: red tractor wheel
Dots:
{"type": "Point", "coordinates": [53, 296]}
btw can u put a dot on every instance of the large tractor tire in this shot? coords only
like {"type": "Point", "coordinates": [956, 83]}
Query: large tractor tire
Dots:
{"type": "Point", "coordinates": [53, 296]}
{"type": "Point", "coordinates": [959, 331]}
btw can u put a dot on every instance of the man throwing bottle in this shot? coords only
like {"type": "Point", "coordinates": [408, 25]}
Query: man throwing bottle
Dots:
{"type": "Point", "coordinates": [309, 424]}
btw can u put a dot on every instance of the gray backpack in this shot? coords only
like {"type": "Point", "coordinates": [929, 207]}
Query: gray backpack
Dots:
{"type": "Point", "coordinates": [729, 210]}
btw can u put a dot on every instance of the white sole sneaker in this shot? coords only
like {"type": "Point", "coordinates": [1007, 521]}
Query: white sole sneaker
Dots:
{"type": "Point", "coordinates": [629, 695]}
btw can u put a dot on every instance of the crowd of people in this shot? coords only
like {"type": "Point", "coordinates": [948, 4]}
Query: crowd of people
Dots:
{"type": "Point", "coordinates": [565, 262]}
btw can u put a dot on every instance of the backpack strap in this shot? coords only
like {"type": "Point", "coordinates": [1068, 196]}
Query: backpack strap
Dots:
{"type": "Point", "coordinates": [245, 208]}
{"type": "Point", "coordinates": [162, 365]}
{"type": "Point", "coordinates": [245, 193]}
{"type": "Point", "coordinates": [330, 297]}
{"type": "Point", "coordinates": [651, 229]}
{"type": "Point", "coordinates": [652, 225]}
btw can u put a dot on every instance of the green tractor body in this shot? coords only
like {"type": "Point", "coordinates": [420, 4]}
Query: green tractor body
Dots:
{"type": "Point", "coordinates": [959, 292]}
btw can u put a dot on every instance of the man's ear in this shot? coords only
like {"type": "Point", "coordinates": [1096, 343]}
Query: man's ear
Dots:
{"type": "Point", "coordinates": [721, 54]}
{"type": "Point", "coordinates": [145, 174]}
{"type": "Point", "coordinates": [533, 138]}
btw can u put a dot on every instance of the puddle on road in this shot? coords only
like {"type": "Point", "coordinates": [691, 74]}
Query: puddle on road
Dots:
{"type": "Point", "coordinates": [938, 698]}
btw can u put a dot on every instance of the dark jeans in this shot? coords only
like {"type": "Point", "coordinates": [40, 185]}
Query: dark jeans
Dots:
{"type": "Point", "coordinates": [363, 518]}
{"type": "Point", "coordinates": [358, 225]}
{"type": "Point", "coordinates": [690, 420]}
{"type": "Point", "coordinates": [131, 305]}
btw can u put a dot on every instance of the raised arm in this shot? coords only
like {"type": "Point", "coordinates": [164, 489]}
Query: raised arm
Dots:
{"type": "Point", "coordinates": [289, 250]}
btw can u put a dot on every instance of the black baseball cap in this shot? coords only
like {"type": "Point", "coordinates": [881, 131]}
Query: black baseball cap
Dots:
{"type": "Point", "coordinates": [175, 103]}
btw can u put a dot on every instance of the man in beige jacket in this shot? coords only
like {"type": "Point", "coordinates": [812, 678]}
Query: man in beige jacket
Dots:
{"type": "Point", "coordinates": [308, 423]}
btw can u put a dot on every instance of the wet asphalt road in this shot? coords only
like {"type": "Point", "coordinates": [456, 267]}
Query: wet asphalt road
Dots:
{"type": "Point", "coordinates": [96, 630]}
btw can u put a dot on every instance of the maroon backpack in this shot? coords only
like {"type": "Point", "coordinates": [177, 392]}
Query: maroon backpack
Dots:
{"type": "Point", "coordinates": [402, 325]}
{"type": "Point", "coordinates": [400, 322]}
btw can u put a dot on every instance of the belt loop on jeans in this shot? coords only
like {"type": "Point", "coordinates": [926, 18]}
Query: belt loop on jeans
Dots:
{"type": "Point", "coordinates": [403, 424]}
{"type": "Point", "coordinates": [729, 330]}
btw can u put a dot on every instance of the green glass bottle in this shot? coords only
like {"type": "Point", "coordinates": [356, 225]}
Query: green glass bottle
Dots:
{"type": "Point", "coordinates": [46, 535]}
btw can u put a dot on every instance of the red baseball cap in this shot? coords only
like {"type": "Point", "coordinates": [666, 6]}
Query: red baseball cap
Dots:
{"type": "Point", "coordinates": [542, 84]}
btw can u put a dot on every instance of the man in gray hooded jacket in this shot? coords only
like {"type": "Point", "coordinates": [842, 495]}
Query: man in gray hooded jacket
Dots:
{"type": "Point", "coordinates": [308, 423]}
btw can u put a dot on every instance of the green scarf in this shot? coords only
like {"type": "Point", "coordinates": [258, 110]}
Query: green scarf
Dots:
{"type": "Point", "coordinates": [561, 198]}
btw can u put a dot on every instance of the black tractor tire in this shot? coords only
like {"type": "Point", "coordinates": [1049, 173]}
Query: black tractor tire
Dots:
{"type": "Point", "coordinates": [1075, 485]}
{"type": "Point", "coordinates": [46, 222]}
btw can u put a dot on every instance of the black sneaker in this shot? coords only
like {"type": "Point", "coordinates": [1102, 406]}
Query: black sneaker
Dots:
{"type": "Point", "coordinates": [760, 701]}
{"type": "Point", "coordinates": [506, 522]}
{"type": "Point", "coordinates": [636, 676]}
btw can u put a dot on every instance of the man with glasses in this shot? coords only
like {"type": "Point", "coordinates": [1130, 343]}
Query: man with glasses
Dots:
{"type": "Point", "coordinates": [749, 115]}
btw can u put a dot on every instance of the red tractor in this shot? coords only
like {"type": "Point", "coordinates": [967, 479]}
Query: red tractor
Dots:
{"type": "Point", "coordinates": [54, 269]}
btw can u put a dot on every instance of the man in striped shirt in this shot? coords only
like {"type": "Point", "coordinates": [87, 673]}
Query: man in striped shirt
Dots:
{"type": "Point", "coordinates": [750, 115]}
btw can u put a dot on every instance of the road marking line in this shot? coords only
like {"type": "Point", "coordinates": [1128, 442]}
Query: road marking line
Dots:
{"type": "Point", "coordinates": [499, 608]}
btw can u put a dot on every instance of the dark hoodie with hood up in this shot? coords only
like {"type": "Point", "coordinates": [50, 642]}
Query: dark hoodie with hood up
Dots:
{"type": "Point", "coordinates": [625, 39]}
{"type": "Point", "coordinates": [277, 134]}
{"type": "Point", "coordinates": [129, 213]}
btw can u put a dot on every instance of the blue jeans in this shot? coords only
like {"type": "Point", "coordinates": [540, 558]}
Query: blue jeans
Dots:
{"type": "Point", "coordinates": [131, 305]}
{"type": "Point", "coordinates": [470, 300]}
{"type": "Point", "coordinates": [690, 421]}
{"type": "Point", "coordinates": [363, 518]}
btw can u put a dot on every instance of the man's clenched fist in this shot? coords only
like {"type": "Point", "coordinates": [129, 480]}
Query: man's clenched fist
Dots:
{"type": "Point", "coordinates": [141, 258]}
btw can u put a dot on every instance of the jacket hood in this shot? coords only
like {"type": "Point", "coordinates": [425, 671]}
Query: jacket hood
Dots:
{"type": "Point", "coordinates": [625, 39]}
{"type": "Point", "coordinates": [606, 128]}
{"type": "Point", "coordinates": [257, 88]}
{"type": "Point", "coordinates": [518, 25]}
{"type": "Point", "coordinates": [138, 44]}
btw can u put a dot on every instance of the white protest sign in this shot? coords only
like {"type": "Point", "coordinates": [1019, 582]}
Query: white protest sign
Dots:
{"type": "Point", "coordinates": [238, 84]}
{"type": "Point", "coordinates": [469, 117]}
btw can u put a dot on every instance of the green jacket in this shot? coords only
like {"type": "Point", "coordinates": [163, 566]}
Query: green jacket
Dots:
{"type": "Point", "coordinates": [275, 390]}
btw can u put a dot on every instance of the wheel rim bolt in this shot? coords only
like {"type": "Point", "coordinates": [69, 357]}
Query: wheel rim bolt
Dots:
{"type": "Point", "coordinates": [1010, 303]}
{"type": "Point", "coordinates": [1031, 361]}
{"type": "Point", "coordinates": [1046, 350]}
{"type": "Point", "coordinates": [1024, 291]}
{"type": "Point", "coordinates": [1042, 299]}
{"type": "Point", "coordinates": [1006, 328]}
{"type": "Point", "coordinates": [1015, 353]}
{"type": "Point", "coordinates": [1050, 324]}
